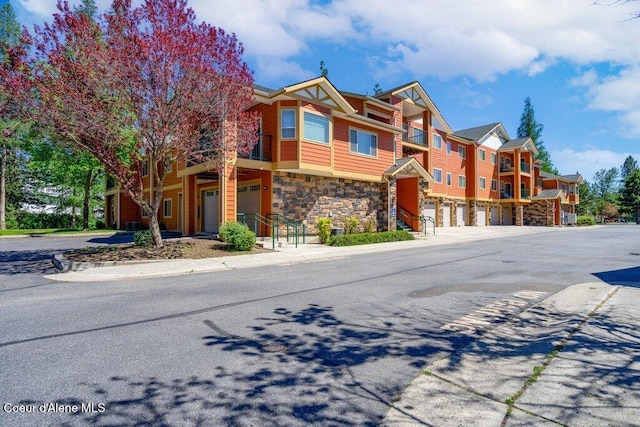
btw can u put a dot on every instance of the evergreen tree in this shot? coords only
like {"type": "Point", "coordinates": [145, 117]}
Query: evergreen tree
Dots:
{"type": "Point", "coordinates": [630, 196]}
{"type": "Point", "coordinates": [628, 167]}
{"type": "Point", "coordinates": [529, 127]}
{"type": "Point", "coordinates": [377, 90]}
{"type": "Point", "coordinates": [324, 72]}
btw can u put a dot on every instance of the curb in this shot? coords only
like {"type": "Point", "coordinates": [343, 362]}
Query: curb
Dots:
{"type": "Point", "coordinates": [64, 265]}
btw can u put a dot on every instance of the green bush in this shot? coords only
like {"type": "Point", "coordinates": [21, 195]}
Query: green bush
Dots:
{"type": "Point", "coordinates": [351, 225]}
{"type": "Point", "coordinates": [369, 226]}
{"type": "Point", "coordinates": [368, 238]}
{"type": "Point", "coordinates": [31, 220]}
{"type": "Point", "coordinates": [142, 238]}
{"type": "Point", "coordinates": [324, 229]}
{"type": "Point", "coordinates": [585, 220]}
{"type": "Point", "coordinates": [238, 236]}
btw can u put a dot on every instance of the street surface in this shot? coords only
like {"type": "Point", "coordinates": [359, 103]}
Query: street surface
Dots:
{"type": "Point", "coordinates": [326, 343]}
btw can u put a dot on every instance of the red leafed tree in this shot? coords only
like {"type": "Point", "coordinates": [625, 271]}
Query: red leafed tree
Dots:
{"type": "Point", "coordinates": [144, 84]}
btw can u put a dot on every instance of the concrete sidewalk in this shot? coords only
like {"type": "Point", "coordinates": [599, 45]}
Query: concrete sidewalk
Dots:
{"type": "Point", "coordinates": [570, 360]}
{"type": "Point", "coordinates": [288, 254]}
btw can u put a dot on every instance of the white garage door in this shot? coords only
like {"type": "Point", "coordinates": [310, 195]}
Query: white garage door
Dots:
{"type": "Point", "coordinates": [506, 216]}
{"type": "Point", "coordinates": [429, 211]}
{"type": "Point", "coordinates": [495, 216]}
{"type": "Point", "coordinates": [249, 199]}
{"type": "Point", "coordinates": [461, 215]}
{"type": "Point", "coordinates": [446, 215]}
{"type": "Point", "coordinates": [210, 211]}
{"type": "Point", "coordinates": [481, 216]}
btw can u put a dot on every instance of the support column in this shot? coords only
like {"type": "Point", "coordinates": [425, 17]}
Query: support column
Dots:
{"type": "Point", "coordinates": [519, 215]}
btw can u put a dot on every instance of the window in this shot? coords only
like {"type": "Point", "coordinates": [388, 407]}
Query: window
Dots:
{"type": "Point", "coordinates": [483, 155]}
{"type": "Point", "coordinates": [448, 179]}
{"type": "Point", "coordinates": [462, 181]}
{"type": "Point", "coordinates": [448, 147]}
{"type": "Point", "coordinates": [572, 189]}
{"type": "Point", "coordinates": [494, 185]}
{"type": "Point", "coordinates": [483, 183]}
{"type": "Point", "coordinates": [462, 152]}
{"type": "Point", "coordinates": [169, 167]}
{"type": "Point", "coordinates": [288, 123]}
{"type": "Point", "coordinates": [145, 168]}
{"type": "Point", "coordinates": [494, 158]}
{"type": "Point", "coordinates": [166, 206]}
{"type": "Point", "coordinates": [316, 128]}
{"type": "Point", "coordinates": [437, 141]}
{"type": "Point", "coordinates": [363, 142]}
{"type": "Point", "coordinates": [437, 175]}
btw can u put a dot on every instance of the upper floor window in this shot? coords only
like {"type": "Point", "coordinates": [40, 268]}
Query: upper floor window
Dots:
{"type": "Point", "coordinates": [572, 189]}
{"type": "Point", "coordinates": [448, 179]}
{"type": "Point", "coordinates": [494, 185]}
{"type": "Point", "coordinates": [437, 175]}
{"type": "Point", "coordinates": [363, 142]}
{"type": "Point", "coordinates": [316, 128]}
{"type": "Point", "coordinates": [483, 155]}
{"type": "Point", "coordinates": [494, 158]}
{"type": "Point", "coordinates": [166, 204]}
{"type": "Point", "coordinates": [437, 141]}
{"type": "Point", "coordinates": [462, 152]}
{"type": "Point", "coordinates": [169, 167]}
{"type": "Point", "coordinates": [462, 181]}
{"type": "Point", "coordinates": [288, 123]}
{"type": "Point", "coordinates": [483, 183]}
{"type": "Point", "coordinates": [145, 168]}
{"type": "Point", "coordinates": [448, 147]}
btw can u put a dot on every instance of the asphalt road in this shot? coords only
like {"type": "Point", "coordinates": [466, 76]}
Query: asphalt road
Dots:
{"type": "Point", "coordinates": [323, 343]}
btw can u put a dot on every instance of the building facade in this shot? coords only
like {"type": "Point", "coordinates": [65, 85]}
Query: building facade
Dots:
{"type": "Point", "coordinates": [388, 160]}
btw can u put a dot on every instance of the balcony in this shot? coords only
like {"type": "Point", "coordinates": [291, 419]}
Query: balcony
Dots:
{"type": "Point", "coordinates": [261, 151]}
{"type": "Point", "coordinates": [525, 194]}
{"type": "Point", "coordinates": [413, 135]}
{"type": "Point", "coordinates": [524, 167]}
{"type": "Point", "coordinates": [506, 167]}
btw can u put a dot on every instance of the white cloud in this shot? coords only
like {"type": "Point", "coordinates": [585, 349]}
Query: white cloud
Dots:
{"type": "Point", "coordinates": [588, 78]}
{"type": "Point", "coordinates": [588, 161]}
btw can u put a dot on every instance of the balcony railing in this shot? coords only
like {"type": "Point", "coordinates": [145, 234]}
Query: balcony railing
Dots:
{"type": "Point", "coordinates": [525, 194]}
{"type": "Point", "coordinates": [505, 167]}
{"type": "Point", "coordinates": [260, 151]}
{"type": "Point", "coordinates": [413, 135]}
{"type": "Point", "coordinates": [524, 167]}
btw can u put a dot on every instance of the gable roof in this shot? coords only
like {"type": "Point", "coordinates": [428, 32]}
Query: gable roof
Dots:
{"type": "Point", "coordinates": [476, 133]}
{"type": "Point", "coordinates": [574, 178]}
{"type": "Point", "coordinates": [408, 166]}
{"type": "Point", "coordinates": [318, 91]}
{"type": "Point", "coordinates": [551, 194]}
{"type": "Point", "coordinates": [414, 94]}
{"type": "Point", "coordinates": [525, 144]}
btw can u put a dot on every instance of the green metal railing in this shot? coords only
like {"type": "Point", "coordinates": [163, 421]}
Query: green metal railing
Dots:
{"type": "Point", "coordinates": [292, 227]}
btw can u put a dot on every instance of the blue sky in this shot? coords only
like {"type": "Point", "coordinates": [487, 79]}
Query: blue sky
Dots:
{"type": "Point", "coordinates": [578, 61]}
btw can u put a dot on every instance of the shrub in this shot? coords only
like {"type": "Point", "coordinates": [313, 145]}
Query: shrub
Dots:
{"type": "Point", "coordinates": [351, 225]}
{"type": "Point", "coordinates": [369, 226]}
{"type": "Point", "coordinates": [324, 229]}
{"type": "Point", "coordinates": [585, 220]}
{"type": "Point", "coordinates": [142, 238]}
{"type": "Point", "coordinates": [238, 236]}
{"type": "Point", "coordinates": [368, 238]}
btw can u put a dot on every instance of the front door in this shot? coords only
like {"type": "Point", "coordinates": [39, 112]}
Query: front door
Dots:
{"type": "Point", "coordinates": [210, 215]}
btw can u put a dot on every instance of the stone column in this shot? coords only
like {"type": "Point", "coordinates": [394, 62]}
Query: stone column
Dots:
{"type": "Point", "coordinates": [519, 215]}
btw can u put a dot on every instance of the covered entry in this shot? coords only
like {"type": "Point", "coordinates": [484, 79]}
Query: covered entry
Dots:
{"type": "Point", "coordinates": [249, 199]}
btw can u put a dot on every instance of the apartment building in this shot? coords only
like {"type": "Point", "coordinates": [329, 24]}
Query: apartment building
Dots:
{"type": "Point", "coordinates": [389, 159]}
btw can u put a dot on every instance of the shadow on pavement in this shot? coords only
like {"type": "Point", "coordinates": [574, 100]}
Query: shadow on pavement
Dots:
{"type": "Point", "coordinates": [624, 277]}
{"type": "Point", "coordinates": [27, 262]}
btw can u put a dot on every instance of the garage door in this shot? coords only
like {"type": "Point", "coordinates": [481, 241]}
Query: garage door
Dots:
{"type": "Point", "coordinates": [446, 215]}
{"type": "Point", "coordinates": [495, 215]}
{"type": "Point", "coordinates": [210, 220]}
{"type": "Point", "coordinates": [429, 211]}
{"type": "Point", "coordinates": [249, 199]}
{"type": "Point", "coordinates": [506, 216]}
{"type": "Point", "coordinates": [461, 215]}
{"type": "Point", "coordinates": [481, 216]}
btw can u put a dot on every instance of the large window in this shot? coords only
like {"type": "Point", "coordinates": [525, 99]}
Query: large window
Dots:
{"type": "Point", "coordinates": [363, 142]}
{"type": "Point", "coordinates": [437, 175]}
{"type": "Point", "coordinates": [288, 123]}
{"type": "Point", "coordinates": [437, 141]}
{"type": "Point", "coordinates": [316, 128]}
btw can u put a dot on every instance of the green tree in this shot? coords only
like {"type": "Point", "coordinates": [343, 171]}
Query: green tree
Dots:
{"type": "Point", "coordinates": [377, 90]}
{"type": "Point", "coordinates": [529, 127]}
{"type": "Point", "coordinates": [630, 196]}
{"type": "Point", "coordinates": [324, 72]}
{"type": "Point", "coordinates": [604, 188]}
{"type": "Point", "coordinates": [587, 204]}
{"type": "Point", "coordinates": [11, 129]}
{"type": "Point", "coordinates": [88, 7]}
{"type": "Point", "coordinates": [628, 167]}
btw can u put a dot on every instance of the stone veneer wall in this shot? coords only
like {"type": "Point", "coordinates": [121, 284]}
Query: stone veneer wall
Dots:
{"type": "Point", "coordinates": [309, 197]}
{"type": "Point", "coordinates": [539, 212]}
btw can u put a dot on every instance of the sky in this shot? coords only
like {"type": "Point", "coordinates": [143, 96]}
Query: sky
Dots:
{"type": "Point", "coordinates": [578, 60]}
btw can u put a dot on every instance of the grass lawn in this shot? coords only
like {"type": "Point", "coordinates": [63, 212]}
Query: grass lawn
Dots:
{"type": "Point", "coordinates": [24, 232]}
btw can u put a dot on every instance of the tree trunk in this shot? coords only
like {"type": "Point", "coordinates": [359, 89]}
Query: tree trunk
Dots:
{"type": "Point", "coordinates": [3, 190]}
{"type": "Point", "coordinates": [86, 205]}
{"type": "Point", "coordinates": [154, 227]}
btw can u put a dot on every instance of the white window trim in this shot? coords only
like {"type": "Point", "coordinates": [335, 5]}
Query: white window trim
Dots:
{"type": "Point", "coordinates": [494, 158]}
{"type": "Point", "coordinates": [448, 148]}
{"type": "Point", "coordinates": [164, 206]}
{"type": "Point", "coordinates": [329, 129]}
{"type": "Point", "coordinates": [460, 179]}
{"type": "Point", "coordinates": [434, 175]}
{"type": "Point", "coordinates": [482, 183]}
{"type": "Point", "coordinates": [483, 155]}
{"type": "Point", "coordinates": [434, 136]}
{"type": "Point", "coordinates": [449, 179]}
{"type": "Point", "coordinates": [462, 152]}
{"type": "Point", "coordinates": [295, 124]}
{"type": "Point", "coordinates": [494, 185]}
{"type": "Point", "coordinates": [357, 153]}
{"type": "Point", "coordinates": [145, 168]}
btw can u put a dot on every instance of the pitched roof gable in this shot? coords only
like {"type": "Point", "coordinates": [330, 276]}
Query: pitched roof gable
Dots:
{"type": "Point", "coordinates": [317, 91]}
{"type": "Point", "coordinates": [408, 166]}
